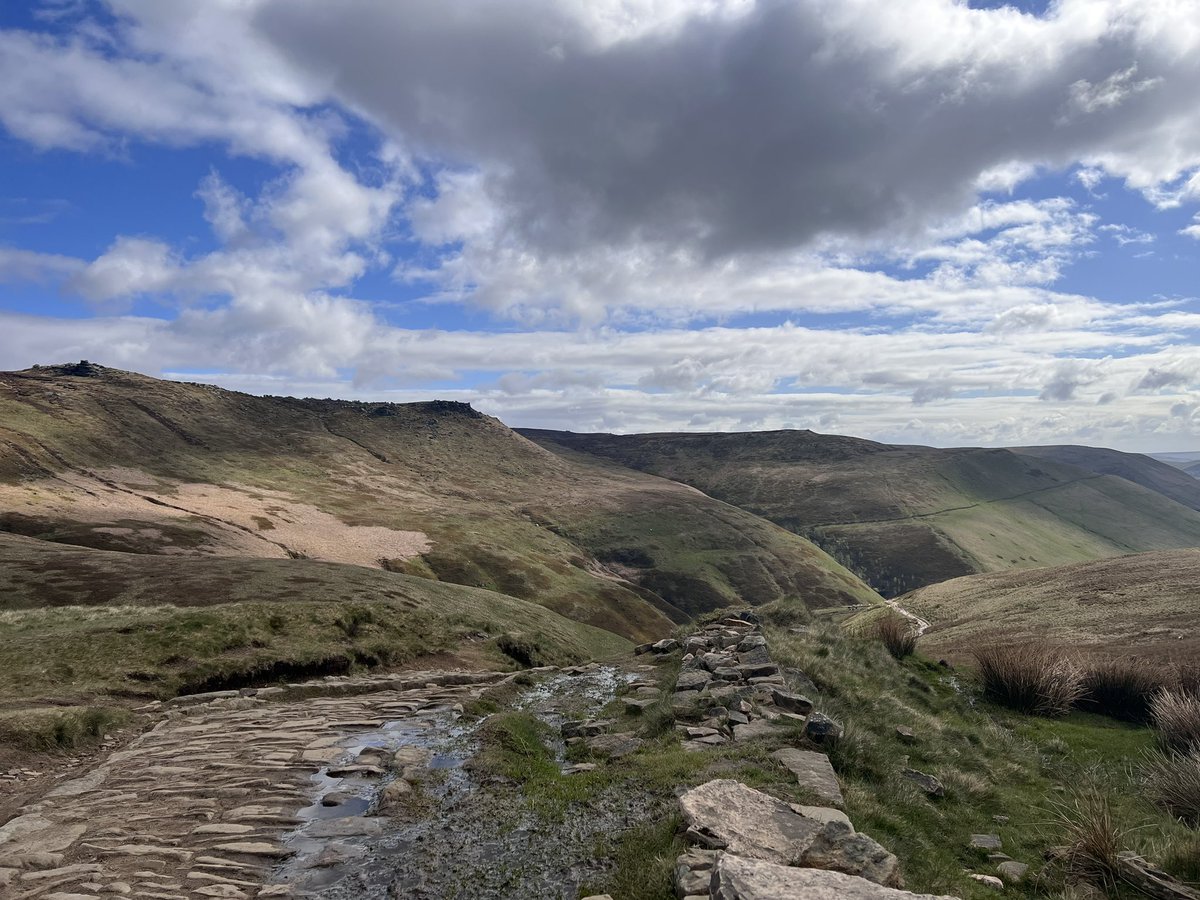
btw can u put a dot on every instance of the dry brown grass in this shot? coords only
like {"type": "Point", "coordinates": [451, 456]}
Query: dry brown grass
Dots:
{"type": "Point", "coordinates": [1092, 840]}
{"type": "Point", "coordinates": [1176, 718]}
{"type": "Point", "coordinates": [1030, 678]}
{"type": "Point", "coordinates": [898, 634]}
{"type": "Point", "coordinates": [1173, 781]}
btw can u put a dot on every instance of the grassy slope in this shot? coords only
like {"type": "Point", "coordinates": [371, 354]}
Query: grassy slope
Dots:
{"type": "Point", "coordinates": [903, 517]}
{"type": "Point", "coordinates": [1091, 603]}
{"type": "Point", "coordinates": [1139, 468]}
{"type": "Point", "coordinates": [499, 512]}
{"type": "Point", "coordinates": [81, 626]}
{"type": "Point", "coordinates": [991, 762]}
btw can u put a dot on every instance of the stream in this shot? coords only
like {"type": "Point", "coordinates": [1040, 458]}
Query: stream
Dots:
{"type": "Point", "coordinates": [473, 834]}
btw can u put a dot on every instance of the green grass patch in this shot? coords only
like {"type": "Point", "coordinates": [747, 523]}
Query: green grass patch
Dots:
{"type": "Point", "coordinates": [58, 729]}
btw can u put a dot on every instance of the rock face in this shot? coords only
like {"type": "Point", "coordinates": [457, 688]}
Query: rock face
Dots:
{"type": "Point", "coordinates": [727, 815]}
{"type": "Point", "coordinates": [813, 771]}
{"type": "Point", "coordinates": [738, 878]}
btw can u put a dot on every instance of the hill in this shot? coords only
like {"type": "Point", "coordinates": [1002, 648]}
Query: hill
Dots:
{"type": "Point", "coordinates": [906, 516]}
{"type": "Point", "coordinates": [1146, 603]}
{"type": "Point", "coordinates": [83, 625]}
{"type": "Point", "coordinates": [1139, 468]}
{"type": "Point", "coordinates": [113, 460]}
{"type": "Point", "coordinates": [1188, 462]}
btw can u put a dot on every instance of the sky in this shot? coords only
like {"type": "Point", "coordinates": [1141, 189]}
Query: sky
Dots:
{"type": "Point", "coordinates": [929, 222]}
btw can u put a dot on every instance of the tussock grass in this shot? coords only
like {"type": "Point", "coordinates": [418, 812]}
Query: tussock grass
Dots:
{"type": "Point", "coordinates": [1173, 781]}
{"type": "Point", "coordinates": [1123, 687]}
{"type": "Point", "coordinates": [898, 634]}
{"type": "Point", "coordinates": [1029, 678]}
{"type": "Point", "coordinates": [1092, 840]}
{"type": "Point", "coordinates": [1176, 717]}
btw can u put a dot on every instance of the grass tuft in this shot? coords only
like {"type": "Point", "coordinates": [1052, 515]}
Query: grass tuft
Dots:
{"type": "Point", "coordinates": [1173, 782]}
{"type": "Point", "coordinates": [1093, 841]}
{"type": "Point", "coordinates": [898, 634]}
{"type": "Point", "coordinates": [1122, 687]}
{"type": "Point", "coordinates": [1176, 718]}
{"type": "Point", "coordinates": [1029, 678]}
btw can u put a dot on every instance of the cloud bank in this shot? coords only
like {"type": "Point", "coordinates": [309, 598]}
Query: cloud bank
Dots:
{"type": "Point", "coordinates": [710, 214]}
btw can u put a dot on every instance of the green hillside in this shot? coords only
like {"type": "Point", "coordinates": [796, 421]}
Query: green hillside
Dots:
{"type": "Point", "coordinates": [1158, 476]}
{"type": "Point", "coordinates": [113, 460]}
{"type": "Point", "coordinates": [902, 517]}
{"type": "Point", "coordinates": [86, 628]}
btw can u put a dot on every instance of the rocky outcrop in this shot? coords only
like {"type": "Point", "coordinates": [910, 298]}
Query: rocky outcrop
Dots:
{"type": "Point", "coordinates": [748, 845]}
{"type": "Point", "coordinates": [728, 683]}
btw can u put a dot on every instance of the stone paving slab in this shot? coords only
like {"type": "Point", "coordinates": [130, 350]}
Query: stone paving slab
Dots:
{"type": "Point", "coordinates": [198, 806]}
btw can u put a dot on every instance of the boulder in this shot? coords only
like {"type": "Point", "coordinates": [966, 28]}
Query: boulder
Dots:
{"type": "Point", "coordinates": [635, 706]}
{"type": "Point", "coordinates": [714, 661]}
{"type": "Point", "coordinates": [794, 703]}
{"type": "Point", "coordinates": [988, 881]}
{"type": "Point", "coordinates": [692, 680]}
{"type": "Point", "coordinates": [727, 815]}
{"type": "Point", "coordinates": [821, 729]}
{"type": "Point", "coordinates": [985, 842]}
{"type": "Point", "coordinates": [666, 645]}
{"type": "Point", "coordinates": [905, 734]}
{"type": "Point", "coordinates": [813, 771]}
{"type": "Point", "coordinates": [758, 728]}
{"type": "Point", "coordinates": [738, 878]}
{"type": "Point", "coordinates": [1012, 872]}
{"type": "Point", "coordinates": [838, 848]}
{"type": "Point", "coordinates": [614, 746]}
{"type": "Point", "coordinates": [754, 657]}
{"type": "Point", "coordinates": [927, 783]}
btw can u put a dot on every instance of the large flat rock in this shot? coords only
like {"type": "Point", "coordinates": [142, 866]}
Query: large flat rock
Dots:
{"type": "Point", "coordinates": [814, 772]}
{"type": "Point", "coordinates": [740, 878]}
{"type": "Point", "coordinates": [728, 815]}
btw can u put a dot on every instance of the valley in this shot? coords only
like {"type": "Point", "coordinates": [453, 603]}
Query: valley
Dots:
{"type": "Point", "coordinates": [270, 647]}
{"type": "Point", "coordinates": [902, 517]}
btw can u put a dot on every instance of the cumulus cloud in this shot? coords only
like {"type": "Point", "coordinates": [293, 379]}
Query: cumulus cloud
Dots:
{"type": "Point", "coordinates": [613, 182]}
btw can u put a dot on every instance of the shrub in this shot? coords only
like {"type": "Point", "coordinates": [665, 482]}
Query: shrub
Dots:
{"type": "Point", "coordinates": [1176, 717]}
{"type": "Point", "coordinates": [897, 634]}
{"type": "Point", "coordinates": [1173, 781]}
{"type": "Point", "coordinates": [1029, 678]}
{"type": "Point", "coordinates": [1122, 687]}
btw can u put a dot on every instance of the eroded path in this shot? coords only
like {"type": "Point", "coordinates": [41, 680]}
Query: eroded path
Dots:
{"type": "Point", "coordinates": [215, 799]}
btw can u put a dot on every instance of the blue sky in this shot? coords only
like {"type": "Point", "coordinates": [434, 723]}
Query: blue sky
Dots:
{"type": "Point", "coordinates": [946, 224]}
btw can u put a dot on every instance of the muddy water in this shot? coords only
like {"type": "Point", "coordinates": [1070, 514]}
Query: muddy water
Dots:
{"type": "Point", "coordinates": [475, 838]}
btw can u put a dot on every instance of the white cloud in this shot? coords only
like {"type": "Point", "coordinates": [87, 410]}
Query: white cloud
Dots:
{"type": "Point", "coordinates": [613, 177]}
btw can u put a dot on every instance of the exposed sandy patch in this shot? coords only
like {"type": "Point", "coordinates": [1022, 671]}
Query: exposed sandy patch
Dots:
{"type": "Point", "coordinates": [236, 520]}
{"type": "Point", "coordinates": [301, 527]}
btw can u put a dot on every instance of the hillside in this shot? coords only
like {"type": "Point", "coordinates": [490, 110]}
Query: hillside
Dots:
{"type": "Point", "coordinates": [113, 460]}
{"type": "Point", "coordinates": [82, 626]}
{"type": "Point", "coordinates": [1146, 603]}
{"type": "Point", "coordinates": [1158, 476]}
{"type": "Point", "coordinates": [1188, 462]}
{"type": "Point", "coordinates": [904, 516]}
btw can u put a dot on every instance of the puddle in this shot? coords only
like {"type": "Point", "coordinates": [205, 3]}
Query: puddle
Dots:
{"type": "Point", "coordinates": [468, 834]}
